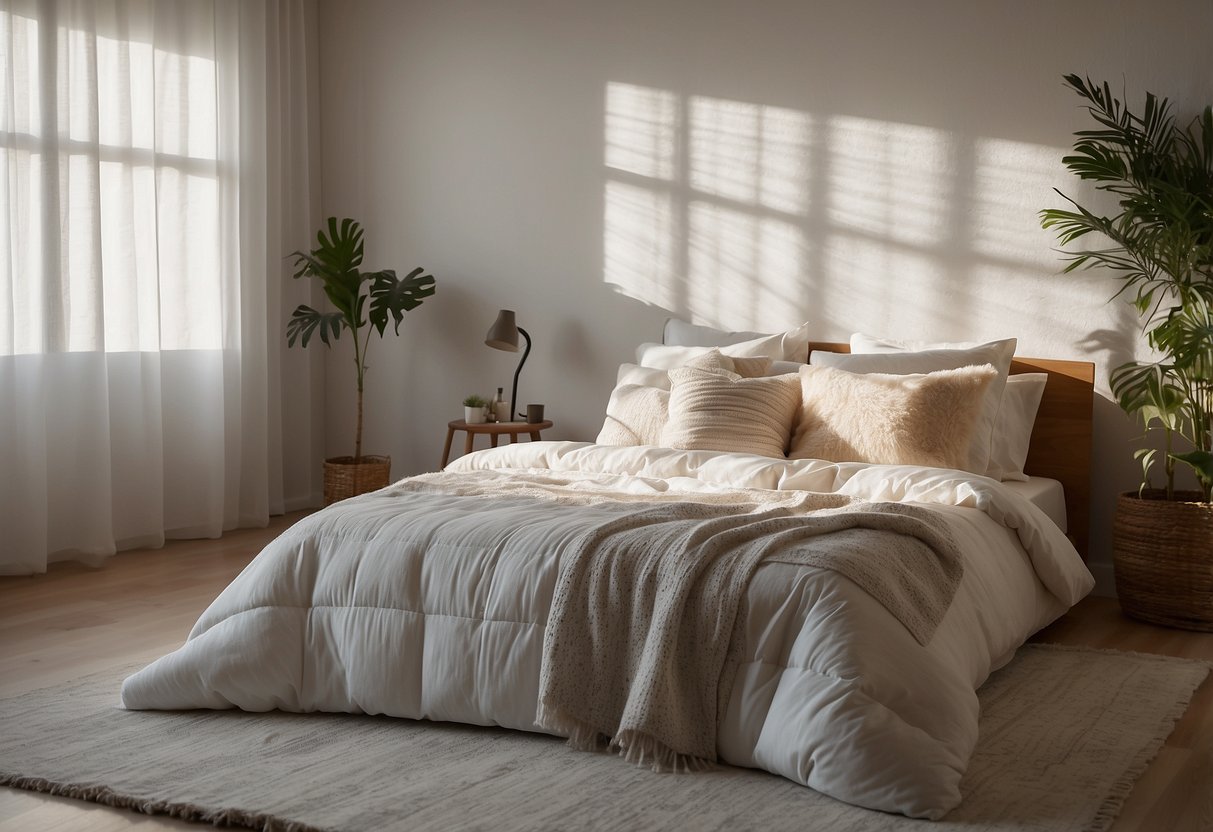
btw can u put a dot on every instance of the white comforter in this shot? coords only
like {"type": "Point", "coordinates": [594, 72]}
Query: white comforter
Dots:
{"type": "Point", "coordinates": [832, 692]}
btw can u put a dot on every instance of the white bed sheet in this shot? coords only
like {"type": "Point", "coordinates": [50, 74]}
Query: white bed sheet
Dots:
{"type": "Point", "coordinates": [1046, 494]}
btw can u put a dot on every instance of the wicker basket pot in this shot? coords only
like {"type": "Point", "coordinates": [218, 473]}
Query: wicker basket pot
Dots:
{"type": "Point", "coordinates": [1162, 551]}
{"type": "Point", "coordinates": [344, 478]}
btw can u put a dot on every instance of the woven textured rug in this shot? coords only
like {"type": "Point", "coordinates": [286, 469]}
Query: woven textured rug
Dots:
{"type": "Point", "coordinates": [1064, 734]}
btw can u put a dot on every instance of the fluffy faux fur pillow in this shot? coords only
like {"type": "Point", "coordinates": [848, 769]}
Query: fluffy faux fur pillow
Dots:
{"type": "Point", "coordinates": [718, 411]}
{"type": "Point", "coordinates": [922, 419]}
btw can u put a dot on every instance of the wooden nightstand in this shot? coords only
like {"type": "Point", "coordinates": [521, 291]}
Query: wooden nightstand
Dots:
{"type": "Point", "coordinates": [494, 430]}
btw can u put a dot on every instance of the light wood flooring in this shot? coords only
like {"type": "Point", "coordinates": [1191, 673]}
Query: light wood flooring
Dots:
{"type": "Point", "coordinates": [74, 620]}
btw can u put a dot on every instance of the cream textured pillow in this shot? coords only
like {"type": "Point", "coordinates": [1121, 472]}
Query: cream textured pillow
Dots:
{"type": "Point", "coordinates": [715, 411]}
{"type": "Point", "coordinates": [998, 354]}
{"type": "Point", "coordinates": [637, 409]}
{"type": "Point", "coordinates": [635, 416]}
{"type": "Point", "coordinates": [913, 419]}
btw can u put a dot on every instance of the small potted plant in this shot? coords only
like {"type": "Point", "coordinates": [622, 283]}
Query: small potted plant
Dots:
{"type": "Point", "coordinates": [362, 303]}
{"type": "Point", "coordinates": [474, 409]}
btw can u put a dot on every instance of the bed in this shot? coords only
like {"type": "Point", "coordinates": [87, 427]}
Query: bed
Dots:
{"type": "Point", "coordinates": [500, 592]}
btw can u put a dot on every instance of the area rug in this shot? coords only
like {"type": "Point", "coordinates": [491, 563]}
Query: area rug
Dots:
{"type": "Point", "coordinates": [1064, 734]}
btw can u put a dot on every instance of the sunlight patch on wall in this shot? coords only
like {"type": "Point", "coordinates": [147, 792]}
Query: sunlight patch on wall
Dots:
{"type": "Point", "coordinates": [1012, 182]}
{"type": "Point", "coordinates": [750, 153]}
{"type": "Point", "coordinates": [886, 289]}
{"type": "Point", "coordinates": [748, 216]}
{"type": "Point", "coordinates": [641, 130]}
{"type": "Point", "coordinates": [743, 268]}
{"type": "Point", "coordinates": [703, 203]}
{"type": "Point", "coordinates": [889, 180]}
{"type": "Point", "coordinates": [638, 244]}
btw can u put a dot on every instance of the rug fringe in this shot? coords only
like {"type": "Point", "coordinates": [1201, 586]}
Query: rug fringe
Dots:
{"type": "Point", "coordinates": [1119, 791]}
{"type": "Point", "coordinates": [183, 811]}
{"type": "Point", "coordinates": [1122, 787]}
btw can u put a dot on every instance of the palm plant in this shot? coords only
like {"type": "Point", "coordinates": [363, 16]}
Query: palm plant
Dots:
{"type": "Point", "coordinates": [1161, 249]}
{"type": "Point", "coordinates": [363, 301]}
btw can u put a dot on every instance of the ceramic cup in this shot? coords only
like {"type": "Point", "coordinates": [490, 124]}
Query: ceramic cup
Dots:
{"type": "Point", "coordinates": [534, 414]}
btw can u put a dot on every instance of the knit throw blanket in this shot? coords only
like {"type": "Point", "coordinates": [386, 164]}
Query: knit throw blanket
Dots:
{"type": "Point", "coordinates": [640, 646]}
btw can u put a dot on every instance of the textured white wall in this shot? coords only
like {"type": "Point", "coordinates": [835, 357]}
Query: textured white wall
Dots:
{"type": "Point", "coordinates": [596, 166]}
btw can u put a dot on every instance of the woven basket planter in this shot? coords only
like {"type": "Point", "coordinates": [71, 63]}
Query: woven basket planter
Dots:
{"type": "Point", "coordinates": [343, 478]}
{"type": "Point", "coordinates": [1162, 551]}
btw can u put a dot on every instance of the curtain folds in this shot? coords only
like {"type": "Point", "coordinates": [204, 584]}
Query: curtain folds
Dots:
{"type": "Point", "coordinates": [157, 161]}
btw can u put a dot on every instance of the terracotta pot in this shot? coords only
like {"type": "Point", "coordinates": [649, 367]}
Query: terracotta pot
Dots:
{"type": "Point", "coordinates": [1162, 552]}
{"type": "Point", "coordinates": [344, 478]}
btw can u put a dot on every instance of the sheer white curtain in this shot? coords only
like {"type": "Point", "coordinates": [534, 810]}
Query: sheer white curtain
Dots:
{"type": "Point", "coordinates": [156, 164]}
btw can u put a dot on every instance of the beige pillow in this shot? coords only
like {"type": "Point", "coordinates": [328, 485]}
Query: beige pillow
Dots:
{"type": "Point", "coordinates": [636, 411]}
{"type": "Point", "coordinates": [995, 353]}
{"type": "Point", "coordinates": [914, 419]}
{"type": "Point", "coordinates": [635, 415]}
{"type": "Point", "coordinates": [716, 411]}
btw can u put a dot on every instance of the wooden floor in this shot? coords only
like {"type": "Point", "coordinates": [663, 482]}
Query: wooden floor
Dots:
{"type": "Point", "coordinates": [74, 620]}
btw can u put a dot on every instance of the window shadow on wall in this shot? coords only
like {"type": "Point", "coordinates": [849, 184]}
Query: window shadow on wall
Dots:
{"type": "Point", "coordinates": [744, 215]}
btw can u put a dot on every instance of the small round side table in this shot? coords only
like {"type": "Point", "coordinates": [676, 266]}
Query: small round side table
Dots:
{"type": "Point", "coordinates": [494, 430]}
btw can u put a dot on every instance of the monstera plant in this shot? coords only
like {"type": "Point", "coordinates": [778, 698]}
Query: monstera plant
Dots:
{"type": "Point", "coordinates": [363, 303]}
{"type": "Point", "coordinates": [1158, 244]}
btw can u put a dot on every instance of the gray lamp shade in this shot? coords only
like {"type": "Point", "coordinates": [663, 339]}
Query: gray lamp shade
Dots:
{"type": "Point", "coordinates": [503, 334]}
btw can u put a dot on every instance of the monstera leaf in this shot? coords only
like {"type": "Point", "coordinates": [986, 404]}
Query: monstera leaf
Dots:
{"type": "Point", "coordinates": [392, 295]}
{"type": "Point", "coordinates": [306, 321]}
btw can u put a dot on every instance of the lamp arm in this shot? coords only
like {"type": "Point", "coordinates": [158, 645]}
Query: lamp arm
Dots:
{"type": "Point", "coordinates": [521, 361]}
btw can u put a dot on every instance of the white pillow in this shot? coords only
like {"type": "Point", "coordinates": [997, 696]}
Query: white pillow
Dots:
{"type": "Point", "coordinates": [642, 376]}
{"type": "Point", "coordinates": [680, 333]}
{"type": "Point", "coordinates": [998, 354]}
{"type": "Point", "coordinates": [1013, 432]}
{"type": "Point", "coordinates": [861, 343]}
{"type": "Point", "coordinates": [792, 345]}
{"type": "Point", "coordinates": [665, 357]}
{"type": "Point", "coordinates": [908, 419]}
{"type": "Point", "coordinates": [714, 411]}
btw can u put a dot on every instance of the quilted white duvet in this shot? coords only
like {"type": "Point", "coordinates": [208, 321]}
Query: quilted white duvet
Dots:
{"type": "Point", "coordinates": [349, 612]}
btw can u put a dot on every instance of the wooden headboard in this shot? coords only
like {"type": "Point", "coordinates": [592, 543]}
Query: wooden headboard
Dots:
{"type": "Point", "coordinates": [1061, 439]}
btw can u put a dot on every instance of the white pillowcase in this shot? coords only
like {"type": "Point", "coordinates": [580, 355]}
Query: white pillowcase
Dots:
{"type": "Point", "coordinates": [997, 354]}
{"type": "Point", "coordinates": [792, 345]}
{"type": "Point", "coordinates": [680, 333]}
{"type": "Point", "coordinates": [714, 411]}
{"type": "Point", "coordinates": [889, 419]}
{"type": "Point", "coordinates": [1013, 432]}
{"type": "Point", "coordinates": [667, 357]}
{"type": "Point", "coordinates": [861, 343]}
